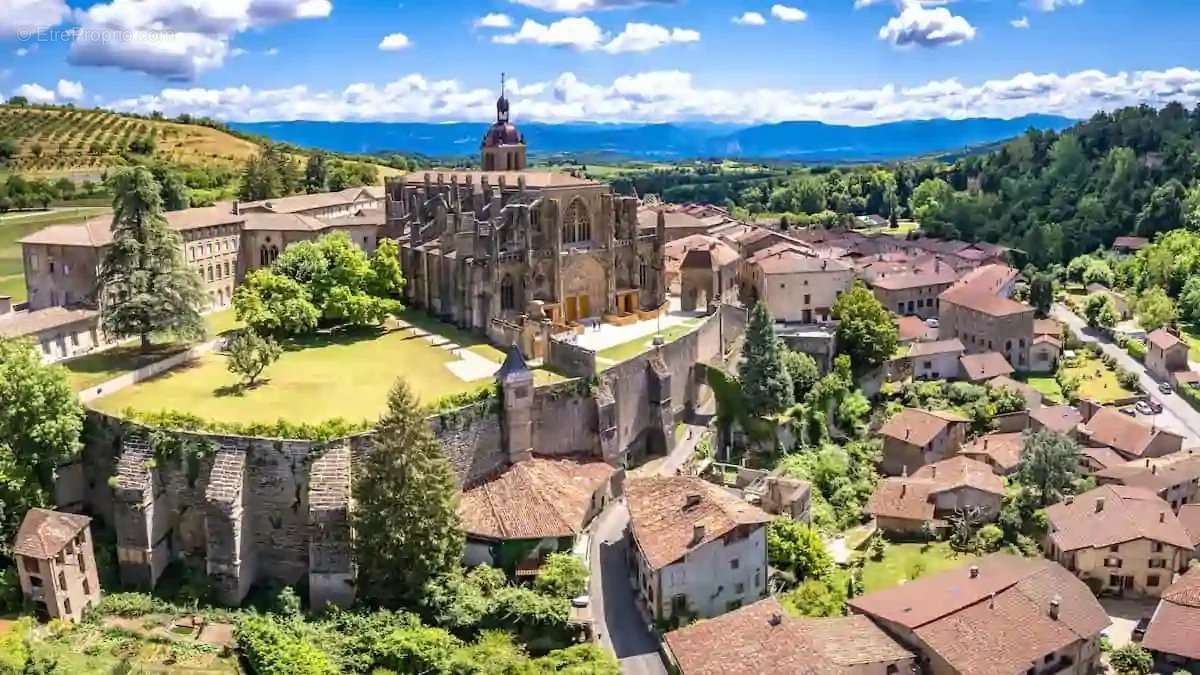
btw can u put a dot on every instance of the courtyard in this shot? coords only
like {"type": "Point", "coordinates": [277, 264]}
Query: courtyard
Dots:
{"type": "Point", "coordinates": [345, 374]}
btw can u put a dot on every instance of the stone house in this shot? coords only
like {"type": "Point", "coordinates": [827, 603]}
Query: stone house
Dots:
{"type": "Point", "coordinates": [708, 274]}
{"type": "Point", "coordinates": [915, 291]}
{"type": "Point", "coordinates": [799, 288]}
{"type": "Point", "coordinates": [934, 492]}
{"type": "Point", "coordinates": [1131, 438]}
{"type": "Point", "coordinates": [1126, 539]}
{"type": "Point", "coordinates": [978, 311]}
{"type": "Point", "coordinates": [764, 639]}
{"type": "Point", "coordinates": [696, 550]}
{"type": "Point", "coordinates": [935, 360]}
{"type": "Point", "coordinates": [56, 565]}
{"type": "Point", "coordinates": [1045, 353]}
{"type": "Point", "coordinates": [1003, 614]}
{"type": "Point", "coordinates": [1172, 634]}
{"type": "Point", "coordinates": [913, 438]}
{"type": "Point", "coordinates": [1175, 478]}
{"type": "Point", "coordinates": [1165, 354]}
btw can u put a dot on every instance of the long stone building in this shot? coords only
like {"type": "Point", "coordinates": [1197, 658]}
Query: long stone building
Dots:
{"type": "Point", "coordinates": [520, 254]}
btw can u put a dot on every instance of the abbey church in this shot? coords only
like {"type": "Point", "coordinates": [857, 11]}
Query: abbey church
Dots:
{"type": "Point", "coordinates": [499, 250]}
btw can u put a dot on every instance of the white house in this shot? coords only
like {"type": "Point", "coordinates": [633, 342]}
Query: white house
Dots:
{"type": "Point", "coordinates": [698, 551]}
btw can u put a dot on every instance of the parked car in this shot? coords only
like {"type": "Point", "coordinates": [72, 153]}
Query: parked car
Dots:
{"type": "Point", "coordinates": [1129, 411]}
{"type": "Point", "coordinates": [1156, 407]}
{"type": "Point", "coordinates": [1144, 408]}
{"type": "Point", "coordinates": [1164, 387]}
{"type": "Point", "coordinates": [1139, 631]}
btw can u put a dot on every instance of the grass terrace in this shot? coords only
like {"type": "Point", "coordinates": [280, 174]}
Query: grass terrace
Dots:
{"type": "Point", "coordinates": [1096, 380]}
{"type": "Point", "coordinates": [344, 374]}
{"type": "Point", "coordinates": [905, 562]}
{"type": "Point", "coordinates": [628, 350]}
{"type": "Point", "coordinates": [1046, 385]}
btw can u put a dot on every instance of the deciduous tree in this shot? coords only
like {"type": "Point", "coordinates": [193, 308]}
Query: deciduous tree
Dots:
{"type": "Point", "coordinates": [250, 354]}
{"type": "Point", "coordinates": [1049, 466]}
{"type": "Point", "coordinates": [866, 331]}
{"type": "Point", "coordinates": [1155, 309]}
{"type": "Point", "coordinates": [1100, 311]}
{"type": "Point", "coordinates": [797, 549]}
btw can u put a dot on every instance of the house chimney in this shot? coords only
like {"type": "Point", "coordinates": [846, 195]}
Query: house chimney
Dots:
{"type": "Point", "coordinates": [1099, 504]}
{"type": "Point", "coordinates": [1070, 500]}
{"type": "Point", "coordinates": [1147, 462]}
{"type": "Point", "coordinates": [974, 571]}
{"type": "Point", "coordinates": [992, 600]}
{"type": "Point", "coordinates": [933, 471]}
{"type": "Point", "coordinates": [903, 489]}
{"type": "Point", "coordinates": [1054, 605]}
{"type": "Point", "coordinates": [1154, 470]}
{"type": "Point", "coordinates": [907, 433]}
{"type": "Point", "coordinates": [237, 208]}
{"type": "Point", "coordinates": [693, 500]}
{"type": "Point", "coordinates": [697, 534]}
{"type": "Point", "coordinates": [1162, 517]}
{"type": "Point", "coordinates": [985, 442]}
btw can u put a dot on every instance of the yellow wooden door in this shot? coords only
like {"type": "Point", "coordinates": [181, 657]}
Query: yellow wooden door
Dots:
{"type": "Point", "coordinates": [584, 309]}
{"type": "Point", "coordinates": [572, 309]}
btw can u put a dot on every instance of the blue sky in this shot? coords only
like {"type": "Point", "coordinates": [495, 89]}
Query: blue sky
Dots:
{"type": "Point", "coordinates": [852, 61]}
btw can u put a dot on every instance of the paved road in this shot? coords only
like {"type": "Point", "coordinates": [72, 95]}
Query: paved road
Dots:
{"type": "Point", "coordinates": [1177, 415]}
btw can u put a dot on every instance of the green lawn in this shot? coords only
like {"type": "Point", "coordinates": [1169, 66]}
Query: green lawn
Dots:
{"type": "Point", "coordinates": [628, 350]}
{"type": "Point", "coordinates": [14, 226]}
{"type": "Point", "coordinates": [903, 229]}
{"type": "Point", "coordinates": [1047, 385]}
{"type": "Point", "coordinates": [1191, 333]}
{"type": "Point", "coordinates": [346, 375]}
{"type": "Point", "coordinates": [904, 562]}
{"type": "Point", "coordinates": [1097, 381]}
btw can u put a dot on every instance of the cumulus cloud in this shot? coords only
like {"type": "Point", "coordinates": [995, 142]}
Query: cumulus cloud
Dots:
{"type": "Point", "coordinates": [673, 95]}
{"type": "Point", "coordinates": [176, 39]}
{"type": "Point", "coordinates": [1021, 23]}
{"type": "Point", "coordinates": [20, 18]}
{"type": "Point", "coordinates": [581, 6]}
{"type": "Point", "coordinates": [583, 34]}
{"type": "Point", "coordinates": [926, 27]}
{"type": "Point", "coordinates": [36, 93]}
{"type": "Point", "coordinates": [750, 19]}
{"type": "Point", "coordinates": [395, 42]}
{"type": "Point", "coordinates": [494, 20]}
{"type": "Point", "coordinates": [1051, 5]}
{"type": "Point", "coordinates": [69, 90]}
{"type": "Point", "coordinates": [788, 14]}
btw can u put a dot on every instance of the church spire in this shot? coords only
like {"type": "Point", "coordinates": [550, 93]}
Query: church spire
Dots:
{"type": "Point", "coordinates": [502, 102]}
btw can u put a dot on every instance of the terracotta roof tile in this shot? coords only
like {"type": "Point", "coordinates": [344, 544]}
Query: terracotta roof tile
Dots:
{"type": "Point", "coordinates": [935, 275]}
{"type": "Point", "coordinates": [43, 533]}
{"type": "Point", "coordinates": [1155, 474]}
{"type": "Point", "coordinates": [1131, 243]}
{"type": "Point", "coordinates": [1060, 419]}
{"type": "Point", "coordinates": [534, 499]}
{"type": "Point", "coordinates": [790, 262]}
{"type": "Point", "coordinates": [1164, 340]}
{"type": "Point", "coordinates": [913, 328]}
{"type": "Point", "coordinates": [901, 498]}
{"type": "Point", "coordinates": [1103, 457]}
{"type": "Point", "coordinates": [1002, 448]}
{"type": "Point", "coordinates": [980, 290]}
{"type": "Point", "coordinates": [960, 472]}
{"type": "Point", "coordinates": [979, 367]}
{"type": "Point", "coordinates": [918, 427]}
{"type": "Point", "coordinates": [939, 347]}
{"type": "Point", "coordinates": [762, 639]}
{"type": "Point", "coordinates": [1114, 514]}
{"type": "Point", "coordinates": [1115, 429]}
{"type": "Point", "coordinates": [663, 524]}
{"type": "Point", "coordinates": [1175, 626]}
{"type": "Point", "coordinates": [1189, 517]}
{"type": "Point", "coordinates": [1047, 327]}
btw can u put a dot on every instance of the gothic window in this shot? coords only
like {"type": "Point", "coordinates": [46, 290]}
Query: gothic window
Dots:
{"type": "Point", "coordinates": [264, 256]}
{"type": "Point", "coordinates": [643, 275]}
{"type": "Point", "coordinates": [577, 226]}
{"type": "Point", "coordinates": [274, 253]}
{"type": "Point", "coordinates": [508, 300]}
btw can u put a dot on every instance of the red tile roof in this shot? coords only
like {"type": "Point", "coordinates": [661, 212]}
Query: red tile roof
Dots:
{"type": "Point", "coordinates": [763, 639]}
{"type": "Point", "coordinates": [663, 523]}
{"type": "Point", "coordinates": [939, 347]}
{"type": "Point", "coordinates": [935, 275]}
{"type": "Point", "coordinates": [1131, 243]}
{"type": "Point", "coordinates": [996, 622]}
{"type": "Point", "coordinates": [1189, 516]}
{"type": "Point", "coordinates": [1002, 448]}
{"type": "Point", "coordinates": [1119, 431]}
{"type": "Point", "coordinates": [980, 290]}
{"type": "Point", "coordinates": [913, 328]}
{"type": "Point", "coordinates": [1058, 418]}
{"type": "Point", "coordinates": [534, 499]}
{"type": "Point", "coordinates": [1175, 627]}
{"type": "Point", "coordinates": [44, 533]}
{"type": "Point", "coordinates": [1114, 514]}
{"type": "Point", "coordinates": [985, 366]}
{"type": "Point", "coordinates": [919, 427]}
{"type": "Point", "coordinates": [1155, 474]}
{"type": "Point", "coordinates": [960, 472]}
{"type": "Point", "coordinates": [1164, 340]}
{"type": "Point", "coordinates": [901, 498]}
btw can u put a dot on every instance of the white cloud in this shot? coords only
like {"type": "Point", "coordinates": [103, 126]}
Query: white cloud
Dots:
{"type": "Point", "coordinates": [494, 20]}
{"type": "Point", "coordinates": [1051, 5]}
{"type": "Point", "coordinates": [237, 51]}
{"type": "Point", "coordinates": [395, 42]}
{"type": "Point", "coordinates": [657, 96]}
{"type": "Point", "coordinates": [21, 51]}
{"type": "Point", "coordinates": [926, 27]}
{"type": "Point", "coordinates": [176, 39]}
{"type": "Point", "coordinates": [750, 19]}
{"type": "Point", "coordinates": [581, 6]}
{"type": "Point", "coordinates": [583, 34]}
{"type": "Point", "coordinates": [788, 14]}
{"type": "Point", "coordinates": [273, 51]}
{"type": "Point", "coordinates": [1021, 23]}
{"type": "Point", "coordinates": [71, 91]}
{"type": "Point", "coordinates": [20, 18]}
{"type": "Point", "coordinates": [644, 37]}
{"type": "Point", "coordinates": [36, 93]}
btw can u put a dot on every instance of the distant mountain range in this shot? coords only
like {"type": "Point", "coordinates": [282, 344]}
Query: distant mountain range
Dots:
{"type": "Point", "coordinates": [792, 141]}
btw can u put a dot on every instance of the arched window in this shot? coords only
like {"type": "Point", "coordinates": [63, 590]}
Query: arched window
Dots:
{"type": "Point", "coordinates": [274, 253]}
{"type": "Point", "coordinates": [577, 226]}
{"type": "Point", "coordinates": [508, 297]}
{"type": "Point", "coordinates": [264, 256]}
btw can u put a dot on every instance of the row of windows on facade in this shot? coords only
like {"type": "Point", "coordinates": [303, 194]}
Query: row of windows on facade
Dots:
{"type": "Point", "coordinates": [217, 272]}
{"type": "Point", "coordinates": [47, 344]}
{"type": "Point", "coordinates": [35, 264]}
{"type": "Point", "coordinates": [919, 303]}
{"type": "Point", "coordinates": [202, 250]}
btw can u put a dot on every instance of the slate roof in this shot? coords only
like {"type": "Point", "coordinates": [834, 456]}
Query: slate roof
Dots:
{"type": "Point", "coordinates": [44, 533]}
{"type": "Point", "coordinates": [997, 622]}
{"type": "Point", "coordinates": [663, 525]}
{"type": "Point", "coordinates": [763, 639]}
{"type": "Point", "coordinates": [1114, 514]}
{"type": "Point", "coordinates": [534, 499]}
{"type": "Point", "coordinates": [1175, 626]}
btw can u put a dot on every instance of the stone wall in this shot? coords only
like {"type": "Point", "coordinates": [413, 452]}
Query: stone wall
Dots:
{"type": "Point", "coordinates": [571, 359]}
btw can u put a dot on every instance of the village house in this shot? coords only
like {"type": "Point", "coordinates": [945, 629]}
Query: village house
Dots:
{"type": "Point", "coordinates": [914, 292]}
{"type": "Point", "coordinates": [708, 273]}
{"type": "Point", "coordinates": [1165, 354]}
{"type": "Point", "coordinates": [910, 329]}
{"type": "Point", "coordinates": [1047, 346]}
{"type": "Point", "coordinates": [1125, 539]}
{"type": "Point", "coordinates": [935, 491]}
{"type": "Point", "coordinates": [56, 565]}
{"type": "Point", "coordinates": [799, 288]}
{"type": "Point", "coordinates": [1061, 419]}
{"type": "Point", "coordinates": [983, 367]}
{"type": "Point", "coordinates": [697, 551]}
{"type": "Point", "coordinates": [1129, 244]}
{"type": "Point", "coordinates": [999, 450]}
{"type": "Point", "coordinates": [935, 360]}
{"type": "Point", "coordinates": [1175, 478]}
{"type": "Point", "coordinates": [1002, 614]}
{"type": "Point", "coordinates": [1131, 438]}
{"type": "Point", "coordinates": [977, 310]}
{"type": "Point", "coordinates": [764, 639]}
{"type": "Point", "coordinates": [1173, 636]}
{"type": "Point", "coordinates": [913, 438]}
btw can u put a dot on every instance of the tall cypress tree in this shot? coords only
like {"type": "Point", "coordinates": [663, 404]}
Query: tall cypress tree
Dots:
{"type": "Point", "coordinates": [316, 174]}
{"type": "Point", "coordinates": [144, 285]}
{"type": "Point", "coordinates": [406, 526]}
{"type": "Point", "coordinates": [765, 380]}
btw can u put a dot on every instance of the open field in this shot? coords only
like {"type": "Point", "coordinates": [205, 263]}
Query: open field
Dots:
{"type": "Point", "coordinates": [905, 562]}
{"type": "Point", "coordinates": [1097, 381]}
{"type": "Point", "coordinates": [322, 377]}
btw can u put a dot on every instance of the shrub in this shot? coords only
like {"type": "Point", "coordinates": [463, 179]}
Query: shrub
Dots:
{"type": "Point", "coordinates": [1136, 349]}
{"type": "Point", "coordinates": [562, 576]}
{"type": "Point", "coordinates": [1128, 379]}
{"type": "Point", "coordinates": [1132, 659]}
{"type": "Point", "coordinates": [988, 538]}
{"type": "Point", "coordinates": [273, 649]}
{"type": "Point", "coordinates": [131, 605]}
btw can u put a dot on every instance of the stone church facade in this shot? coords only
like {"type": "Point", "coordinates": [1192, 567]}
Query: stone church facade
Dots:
{"type": "Point", "coordinates": [523, 253]}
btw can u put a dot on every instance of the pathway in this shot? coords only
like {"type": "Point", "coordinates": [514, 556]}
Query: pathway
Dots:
{"type": "Point", "coordinates": [1177, 414]}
